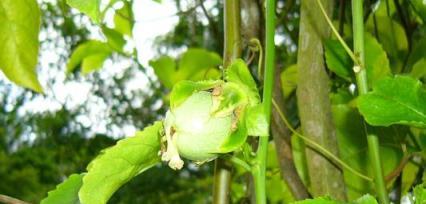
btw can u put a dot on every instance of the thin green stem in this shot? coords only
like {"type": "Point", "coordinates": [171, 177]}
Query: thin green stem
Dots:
{"type": "Point", "coordinates": [232, 51]}
{"type": "Point", "coordinates": [362, 84]}
{"type": "Point", "coordinates": [318, 147]}
{"type": "Point", "coordinates": [259, 167]}
{"type": "Point", "coordinates": [240, 162]}
{"type": "Point", "coordinates": [232, 32]}
{"type": "Point", "coordinates": [358, 29]}
{"type": "Point", "coordinates": [336, 33]}
{"type": "Point", "coordinates": [374, 154]}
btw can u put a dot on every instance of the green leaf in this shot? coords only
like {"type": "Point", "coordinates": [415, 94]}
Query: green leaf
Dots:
{"type": "Point", "coordinates": [300, 159]}
{"type": "Point", "coordinates": [239, 73]}
{"type": "Point", "coordinates": [256, 122]}
{"type": "Point", "coordinates": [114, 39]}
{"type": "Point", "coordinates": [420, 194]}
{"type": "Point", "coordinates": [319, 200]}
{"type": "Point", "coordinates": [418, 52]}
{"type": "Point", "coordinates": [376, 60]}
{"type": "Point", "coordinates": [419, 69]}
{"type": "Point", "coordinates": [289, 78]}
{"type": "Point", "coordinates": [118, 164]}
{"type": "Point", "coordinates": [392, 37]}
{"type": "Point", "coordinates": [195, 65]}
{"type": "Point", "coordinates": [89, 7]}
{"type": "Point", "coordinates": [419, 8]}
{"type": "Point", "coordinates": [385, 9]}
{"type": "Point", "coordinates": [398, 100]}
{"type": "Point", "coordinates": [66, 192]}
{"type": "Point", "coordinates": [165, 68]}
{"type": "Point", "coordinates": [90, 54]}
{"type": "Point", "coordinates": [365, 199]}
{"type": "Point", "coordinates": [352, 141]}
{"type": "Point", "coordinates": [123, 19]}
{"type": "Point", "coordinates": [408, 177]}
{"type": "Point", "coordinates": [194, 61]}
{"type": "Point", "coordinates": [93, 62]}
{"type": "Point", "coordinates": [338, 61]}
{"type": "Point", "coordinates": [20, 26]}
{"type": "Point", "coordinates": [182, 90]}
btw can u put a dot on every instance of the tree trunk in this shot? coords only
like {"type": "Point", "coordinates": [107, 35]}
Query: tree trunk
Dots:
{"type": "Point", "coordinates": [282, 140]}
{"type": "Point", "coordinates": [313, 100]}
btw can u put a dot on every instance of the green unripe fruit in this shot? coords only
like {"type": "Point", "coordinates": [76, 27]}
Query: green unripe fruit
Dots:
{"type": "Point", "coordinates": [194, 130]}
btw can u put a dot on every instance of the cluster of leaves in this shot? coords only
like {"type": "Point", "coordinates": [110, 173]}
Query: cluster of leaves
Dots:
{"type": "Point", "coordinates": [40, 149]}
{"type": "Point", "coordinates": [395, 109]}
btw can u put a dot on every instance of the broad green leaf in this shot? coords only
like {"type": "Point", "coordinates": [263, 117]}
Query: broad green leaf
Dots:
{"type": "Point", "coordinates": [365, 199]}
{"type": "Point", "coordinates": [278, 191]}
{"type": "Point", "coordinates": [385, 9]}
{"type": "Point", "coordinates": [89, 7]}
{"type": "Point", "coordinates": [118, 164]}
{"type": "Point", "coordinates": [300, 159]}
{"type": "Point", "coordinates": [341, 96]}
{"type": "Point", "coordinates": [194, 64]}
{"type": "Point", "coordinates": [352, 141]}
{"type": "Point", "coordinates": [194, 61]}
{"type": "Point", "coordinates": [90, 55]}
{"type": "Point", "coordinates": [93, 62]}
{"type": "Point", "coordinates": [420, 8]}
{"type": "Point", "coordinates": [408, 177]}
{"type": "Point", "coordinates": [419, 69]}
{"type": "Point", "coordinates": [397, 100]}
{"type": "Point", "coordinates": [338, 61]}
{"type": "Point", "coordinates": [376, 61]}
{"type": "Point", "coordinates": [418, 53]}
{"type": "Point", "coordinates": [319, 200]}
{"type": "Point", "coordinates": [165, 68]}
{"type": "Point", "coordinates": [19, 29]}
{"type": "Point", "coordinates": [114, 39]}
{"type": "Point", "coordinates": [123, 19]}
{"type": "Point", "coordinates": [239, 73]}
{"type": "Point", "coordinates": [420, 194]}
{"type": "Point", "coordinates": [183, 89]}
{"type": "Point", "coordinates": [392, 37]}
{"type": "Point", "coordinates": [289, 78]}
{"type": "Point", "coordinates": [256, 122]}
{"type": "Point", "coordinates": [66, 192]}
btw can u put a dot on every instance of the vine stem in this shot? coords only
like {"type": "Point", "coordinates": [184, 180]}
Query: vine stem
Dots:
{"type": "Point", "coordinates": [362, 84]}
{"type": "Point", "coordinates": [318, 147]}
{"type": "Point", "coordinates": [259, 166]}
{"type": "Point", "coordinates": [339, 38]}
{"type": "Point", "coordinates": [232, 51]}
{"type": "Point", "coordinates": [358, 57]}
